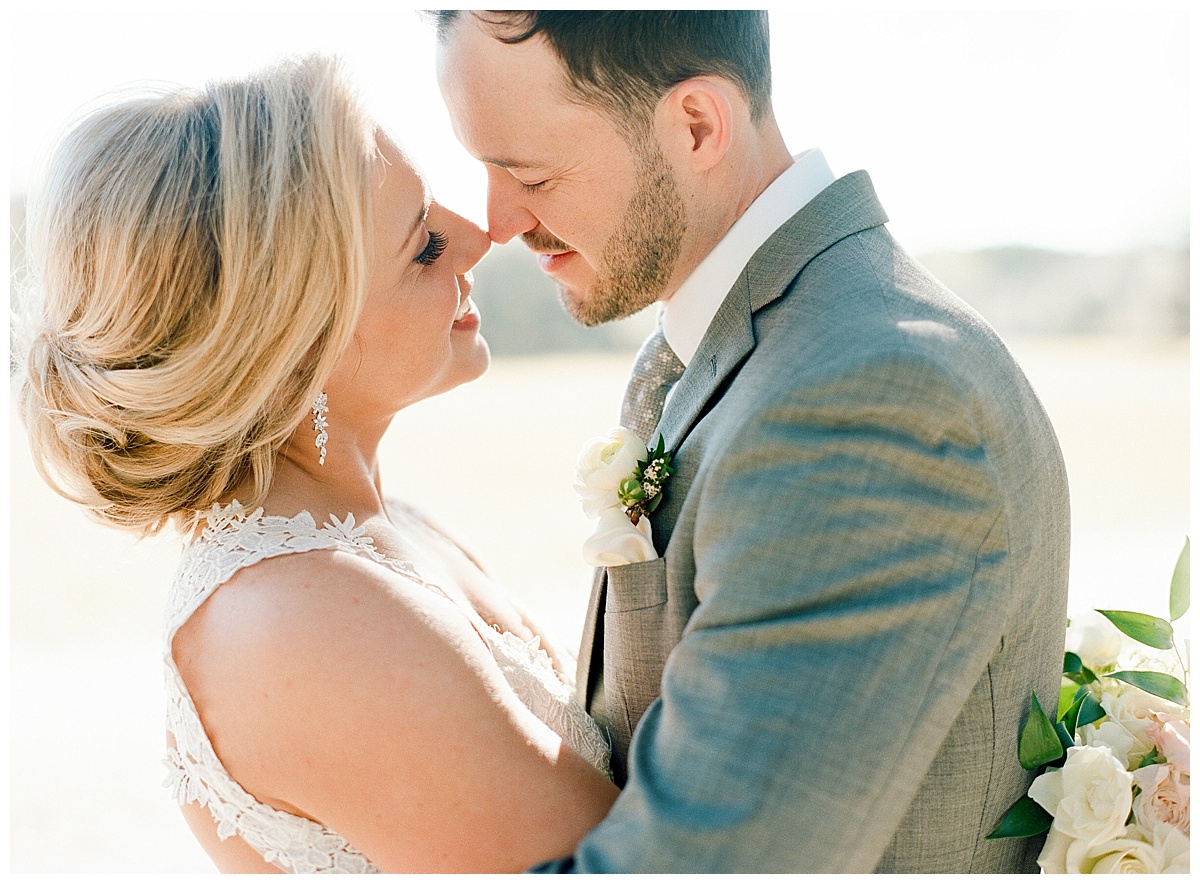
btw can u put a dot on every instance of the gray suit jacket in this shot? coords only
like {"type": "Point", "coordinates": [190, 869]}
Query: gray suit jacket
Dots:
{"type": "Point", "coordinates": [863, 577]}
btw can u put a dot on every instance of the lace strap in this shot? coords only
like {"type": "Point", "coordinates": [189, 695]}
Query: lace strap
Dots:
{"type": "Point", "coordinates": [232, 540]}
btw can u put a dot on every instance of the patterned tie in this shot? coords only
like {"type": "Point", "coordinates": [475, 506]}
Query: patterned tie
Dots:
{"type": "Point", "coordinates": [655, 371]}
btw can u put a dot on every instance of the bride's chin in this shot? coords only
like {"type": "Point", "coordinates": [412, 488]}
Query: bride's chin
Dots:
{"type": "Point", "coordinates": [468, 362]}
{"type": "Point", "coordinates": [482, 354]}
{"type": "Point", "coordinates": [472, 361]}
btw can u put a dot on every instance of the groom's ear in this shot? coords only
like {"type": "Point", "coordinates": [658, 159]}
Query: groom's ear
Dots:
{"type": "Point", "coordinates": [698, 117]}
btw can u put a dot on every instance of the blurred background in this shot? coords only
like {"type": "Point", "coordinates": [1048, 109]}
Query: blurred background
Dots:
{"type": "Point", "coordinates": [1038, 162]}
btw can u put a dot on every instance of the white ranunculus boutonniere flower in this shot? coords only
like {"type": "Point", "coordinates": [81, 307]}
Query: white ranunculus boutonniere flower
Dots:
{"type": "Point", "coordinates": [620, 482]}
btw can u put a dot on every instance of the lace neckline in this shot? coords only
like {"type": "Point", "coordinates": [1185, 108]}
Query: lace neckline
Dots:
{"type": "Point", "coordinates": [233, 524]}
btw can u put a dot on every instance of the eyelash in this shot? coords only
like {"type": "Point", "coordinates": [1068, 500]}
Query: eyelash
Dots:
{"type": "Point", "coordinates": [433, 249]}
{"type": "Point", "coordinates": [532, 188]}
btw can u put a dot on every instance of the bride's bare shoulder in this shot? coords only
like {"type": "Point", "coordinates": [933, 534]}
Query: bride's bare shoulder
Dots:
{"type": "Point", "coordinates": [294, 617]}
{"type": "Point", "coordinates": [334, 689]}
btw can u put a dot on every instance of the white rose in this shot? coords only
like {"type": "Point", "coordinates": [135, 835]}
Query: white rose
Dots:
{"type": "Point", "coordinates": [1092, 636]}
{"type": "Point", "coordinates": [1059, 852]}
{"type": "Point", "coordinates": [1135, 655]}
{"type": "Point", "coordinates": [1140, 705]}
{"type": "Point", "coordinates": [1134, 851]}
{"type": "Point", "coordinates": [617, 541]}
{"type": "Point", "coordinates": [1176, 848]}
{"type": "Point", "coordinates": [1122, 856]}
{"type": "Point", "coordinates": [1053, 858]}
{"type": "Point", "coordinates": [1127, 739]}
{"type": "Point", "coordinates": [604, 462]}
{"type": "Point", "coordinates": [1089, 796]}
{"type": "Point", "coordinates": [1129, 728]}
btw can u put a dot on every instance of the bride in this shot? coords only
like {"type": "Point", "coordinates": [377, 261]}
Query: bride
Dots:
{"type": "Point", "coordinates": [241, 287]}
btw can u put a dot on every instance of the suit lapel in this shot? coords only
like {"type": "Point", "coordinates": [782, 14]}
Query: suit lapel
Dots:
{"type": "Point", "coordinates": [729, 338]}
{"type": "Point", "coordinates": [846, 207]}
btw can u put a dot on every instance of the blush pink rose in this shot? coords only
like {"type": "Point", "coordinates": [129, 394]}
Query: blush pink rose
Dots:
{"type": "Point", "coordinates": [1165, 797]}
{"type": "Point", "coordinates": [1173, 737]}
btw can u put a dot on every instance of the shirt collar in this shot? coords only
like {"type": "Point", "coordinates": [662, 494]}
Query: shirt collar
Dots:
{"type": "Point", "coordinates": [686, 314]}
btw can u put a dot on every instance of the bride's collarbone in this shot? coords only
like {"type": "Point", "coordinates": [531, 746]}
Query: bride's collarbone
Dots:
{"type": "Point", "coordinates": [439, 562]}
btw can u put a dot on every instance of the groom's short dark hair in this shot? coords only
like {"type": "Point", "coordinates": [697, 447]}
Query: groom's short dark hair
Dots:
{"type": "Point", "coordinates": [625, 61]}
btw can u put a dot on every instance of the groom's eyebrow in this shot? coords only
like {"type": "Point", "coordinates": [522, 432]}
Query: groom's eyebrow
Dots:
{"type": "Point", "coordinates": [503, 163]}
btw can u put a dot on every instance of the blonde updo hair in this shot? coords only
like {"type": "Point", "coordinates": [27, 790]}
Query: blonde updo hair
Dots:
{"type": "Point", "coordinates": [201, 259]}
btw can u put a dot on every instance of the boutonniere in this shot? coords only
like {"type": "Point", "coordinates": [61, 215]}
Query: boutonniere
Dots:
{"type": "Point", "coordinates": [620, 481]}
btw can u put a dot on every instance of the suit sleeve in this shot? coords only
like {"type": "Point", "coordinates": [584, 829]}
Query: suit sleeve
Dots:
{"type": "Point", "coordinates": [849, 551]}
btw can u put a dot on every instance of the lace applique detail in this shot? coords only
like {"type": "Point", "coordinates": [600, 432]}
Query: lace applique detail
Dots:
{"type": "Point", "coordinates": [231, 540]}
{"type": "Point", "coordinates": [531, 673]}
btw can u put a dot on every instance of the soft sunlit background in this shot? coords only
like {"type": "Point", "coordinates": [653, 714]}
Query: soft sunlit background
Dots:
{"type": "Point", "coordinates": [1036, 159]}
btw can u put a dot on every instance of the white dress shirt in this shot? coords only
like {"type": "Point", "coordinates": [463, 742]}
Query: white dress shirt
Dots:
{"type": "Point", "coordinates": [687, 314]}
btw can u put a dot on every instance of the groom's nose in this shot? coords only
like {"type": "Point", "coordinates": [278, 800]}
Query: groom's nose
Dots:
{"type": "Point", "coordinates": [506, 213]}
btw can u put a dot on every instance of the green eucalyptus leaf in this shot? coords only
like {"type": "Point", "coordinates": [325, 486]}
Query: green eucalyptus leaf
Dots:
{"type": "Point", "coordinates": [1084, 678]}
{"type": "Point", "coordinates": [1067, 695]}
{"type": "Point", "coordinates": [1181, 582]}
{"type": "Point", "coordinates": [1083, 710]}
{"type": "Point", "coordinates": [1038, 743]}
{"type": "Point", "coordinates": [1089, 711]}
{"type": "Point", "coordinates": [1074, 669]}
{"type": "Point", "coordinates": [1152, 631]}
{"type": "Point", "coordinates": [1023, 820]}
{"type": "Point", "coordinates": [1158, 683]}
{"type": "Point", "coordinates": [1064, 737]}
{"type": "Point", "coordinates": [1152, 758]}
{"type": "Point", "coordinates": [1071, 719]}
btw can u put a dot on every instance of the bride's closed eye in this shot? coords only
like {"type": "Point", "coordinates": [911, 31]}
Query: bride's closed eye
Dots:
{"type": "Point", "coordinates": [433, 249]}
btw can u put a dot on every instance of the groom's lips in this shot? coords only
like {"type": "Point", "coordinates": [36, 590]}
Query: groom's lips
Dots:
{"type": "Point", "coordinates": [551, 262]}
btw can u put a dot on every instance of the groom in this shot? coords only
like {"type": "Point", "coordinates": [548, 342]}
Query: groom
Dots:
{"type": "Point", "coordinates": [863, 551]}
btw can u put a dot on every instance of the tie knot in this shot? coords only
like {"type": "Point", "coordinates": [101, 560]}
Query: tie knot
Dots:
{"type": "Point", "coordinates": [655, 371]}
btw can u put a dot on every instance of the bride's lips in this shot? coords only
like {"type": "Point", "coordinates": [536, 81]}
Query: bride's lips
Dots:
{"type": "Point", "coordinates": [467, 318]}
{"type": "Point", "coordinates": [553, 261]}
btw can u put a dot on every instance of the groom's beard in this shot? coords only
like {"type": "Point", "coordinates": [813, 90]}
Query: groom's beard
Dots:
{"type": "Point", "coordinates": [638, 259]}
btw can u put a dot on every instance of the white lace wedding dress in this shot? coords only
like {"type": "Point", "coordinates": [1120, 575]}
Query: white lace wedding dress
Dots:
{"type": "Point", "coordinates": [233, 539]}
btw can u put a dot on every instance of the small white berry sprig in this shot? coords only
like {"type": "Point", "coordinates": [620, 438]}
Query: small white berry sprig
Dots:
{"type": "Point", "coordinates": [641, 493]}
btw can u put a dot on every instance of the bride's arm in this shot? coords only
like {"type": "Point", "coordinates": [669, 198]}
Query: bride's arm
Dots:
{"type": "Point", "coordinates": [335, 689]}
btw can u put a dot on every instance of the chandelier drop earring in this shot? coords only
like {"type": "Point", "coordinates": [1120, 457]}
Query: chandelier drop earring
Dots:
{"type": "Point", "coordinates": [320, 409]}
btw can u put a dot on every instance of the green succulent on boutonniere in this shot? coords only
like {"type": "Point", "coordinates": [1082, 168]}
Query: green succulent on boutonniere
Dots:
{"type": "Point", "coordinates": [641, 493]}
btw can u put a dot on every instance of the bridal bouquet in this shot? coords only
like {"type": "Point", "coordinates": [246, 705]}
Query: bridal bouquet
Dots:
{"type": "Point", "coordinates": [1113, 794]}
{"type": "Point", "coordinates": [620, 482]}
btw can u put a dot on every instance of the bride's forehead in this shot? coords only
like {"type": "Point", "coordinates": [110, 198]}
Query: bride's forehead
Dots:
{"type": "Point", "coordinates": [400, 199]}
{"type": "Point", "coordinates": [396, 175]}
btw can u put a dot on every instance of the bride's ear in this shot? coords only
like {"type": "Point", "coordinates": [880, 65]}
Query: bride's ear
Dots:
{"type": "Point", "coordinates": [697, 118]}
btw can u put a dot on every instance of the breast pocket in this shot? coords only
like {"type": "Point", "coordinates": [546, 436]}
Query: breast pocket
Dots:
{"type": "Point", "coordinates": [636, 587]}
{"type": "Point", "coordinates": [636, 643]}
